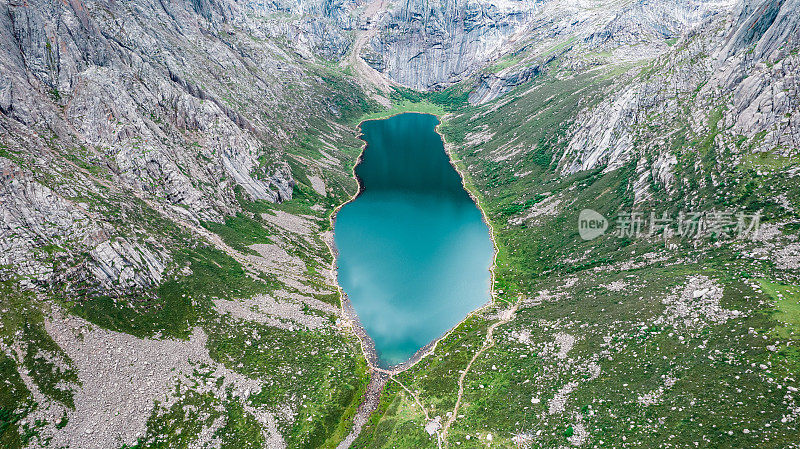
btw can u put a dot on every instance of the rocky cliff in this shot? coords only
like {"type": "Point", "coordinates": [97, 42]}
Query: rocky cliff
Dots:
{"type": "Point", "coordinates": [431, 45]}
{"type": "Point", "coordinates": [426, 45]}
{"type": "Point", "coordinates": [742, 66]}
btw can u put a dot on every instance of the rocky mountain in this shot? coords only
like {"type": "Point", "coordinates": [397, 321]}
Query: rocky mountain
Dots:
{"type": "Point", "coordinates": [425, 45]}
{"type": "Point", "coordinates": [168, 170]}
{"type": "Point", "coordinates": [159, 160]}
{"type": "Point", "coordinates": [431, 45]}
{"type": "Point", "coordinates": [163, 101]}
{"type": "Point", "coordinates": [730, 71]}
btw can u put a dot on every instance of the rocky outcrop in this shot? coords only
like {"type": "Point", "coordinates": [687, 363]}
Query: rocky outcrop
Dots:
{"type": "Point", "coordinates": [429, 45]}
{"type": "Point", "coordinates": [744, 69]}
{"type": "Point", "coordinates": [125, 96]}
{"type": "Point", "coordinates": [759, 66]}
{"type": "Point", "coordinates": [117, 262]}
{"type": "Point", "coordinates": [490, 86]}
{"type": "Point", "coordinates": [643, 21]}
{"type": "Point", "coordinates": [315, 27]}
{"type": "Point", "coordinates": [31, 214]}
{"type": "Point", "coordinates": [41, 230]}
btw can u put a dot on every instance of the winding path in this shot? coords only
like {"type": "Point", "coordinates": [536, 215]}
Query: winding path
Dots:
{"type": "Point", "coordinates": [506, 316]}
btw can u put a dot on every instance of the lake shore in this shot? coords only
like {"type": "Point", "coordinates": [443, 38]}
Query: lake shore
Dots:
{"type": "Point", "coordinates": [347, 310]}
{"type": "Point", "coordinates": [378, 376]}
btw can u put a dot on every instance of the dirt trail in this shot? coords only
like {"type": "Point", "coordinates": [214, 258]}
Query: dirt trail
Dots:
{"type": "Point", "coordinates": [379, 378]}
{"type": "Point", "coordinates": [506, 316]}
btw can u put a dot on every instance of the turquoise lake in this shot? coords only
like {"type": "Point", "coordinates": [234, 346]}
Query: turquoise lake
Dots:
{"type": "Point", "coordinates": [414, 252]}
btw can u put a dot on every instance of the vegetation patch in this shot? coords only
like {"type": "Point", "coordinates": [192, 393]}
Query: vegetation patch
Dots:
{"type": "Point", "coordinates": [787, 302]}
{"type": "Point", "coordinates": [240, 232]}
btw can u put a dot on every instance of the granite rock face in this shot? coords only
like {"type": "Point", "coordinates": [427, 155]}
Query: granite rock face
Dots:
{"type": "Point", "coordinates": [643, 21]}
{"type": "Point", "coordinates": [428, 45]}
{"type": "Point", "coordinates": [490, 86]}
{"type": "Point", "coordinates": [431, 45]}
{"type": "Point", "coordinates": [740, 64]}
{"type": "Point", "coordinates": [115, 85]}
{"type": "Point", "coordinates": [39, 225]}
{"type": "Point", "coordinates": [181, 103]}
{"type": "Point", "coordinates": [760, 66]}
